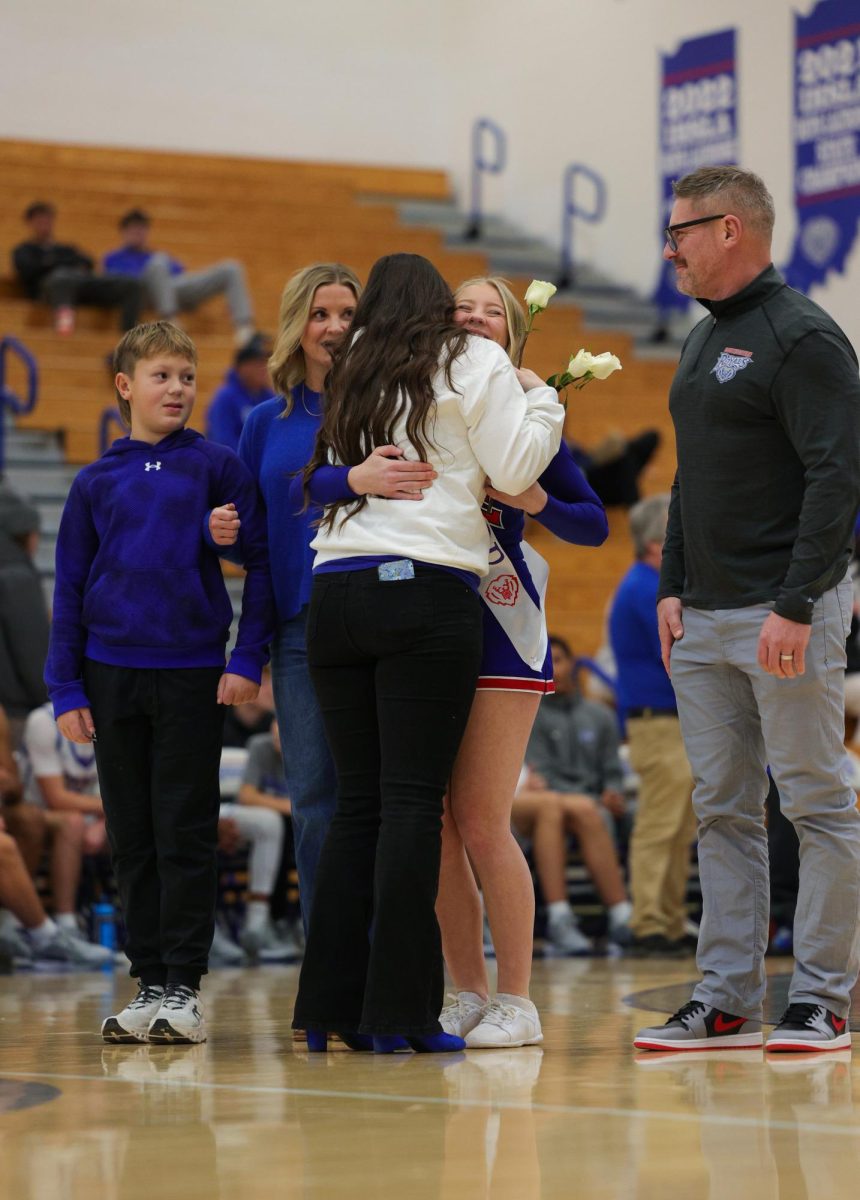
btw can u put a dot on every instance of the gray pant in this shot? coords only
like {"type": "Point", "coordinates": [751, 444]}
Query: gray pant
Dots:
{"type": "Point", "coordinates": [736, 719]}
{"type": "Point", "coordinates": [169, 294]}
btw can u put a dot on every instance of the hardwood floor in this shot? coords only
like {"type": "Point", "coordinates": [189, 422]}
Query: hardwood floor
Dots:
{"type": "Point", "coordinates": [250, 1116]}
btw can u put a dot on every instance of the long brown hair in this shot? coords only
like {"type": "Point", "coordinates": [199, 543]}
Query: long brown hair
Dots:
{"type": "Point", "coordinates": [402, 330]}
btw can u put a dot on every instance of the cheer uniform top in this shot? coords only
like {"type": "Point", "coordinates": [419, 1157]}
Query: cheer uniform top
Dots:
{"type": "Point", "coordinates": [517, 655]}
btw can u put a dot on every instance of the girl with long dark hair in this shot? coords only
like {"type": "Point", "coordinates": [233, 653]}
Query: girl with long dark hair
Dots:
{"type": "Point", "coordinates": [394, 641]}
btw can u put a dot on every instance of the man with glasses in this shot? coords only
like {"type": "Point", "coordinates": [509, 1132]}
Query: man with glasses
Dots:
{"type": "Point", "coordinates": [754, 606]}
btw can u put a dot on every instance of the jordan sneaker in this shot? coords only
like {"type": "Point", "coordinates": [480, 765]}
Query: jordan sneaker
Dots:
{"type": "Point", "coordinates": [697, 1026]}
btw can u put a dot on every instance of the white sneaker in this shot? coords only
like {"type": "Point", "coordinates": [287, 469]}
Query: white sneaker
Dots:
{"type": "Point", "coordinates": [262, 943]}
{"type": "Point", "coordinates": [132, 1024]}
{"type": "Point", "coordinates": [68, 947]}
{"type": "Point", "coordinates": [565, 936]}
{"type": "Point", "coordinates": [180, 1016]}
{"type": "Point", "coordinates": [463, 1014]}
{"type": "Point", "coordinates": [504, 1025]}
{"type": "Point", "coordinates": [224, 952]}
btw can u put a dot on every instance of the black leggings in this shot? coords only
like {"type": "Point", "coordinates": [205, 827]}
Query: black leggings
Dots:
{"type": "Point", "coordinates": [395, 666]}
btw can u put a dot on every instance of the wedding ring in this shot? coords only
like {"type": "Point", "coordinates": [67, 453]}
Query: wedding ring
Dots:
{"type": "Point", "coordinates": [786, 656]}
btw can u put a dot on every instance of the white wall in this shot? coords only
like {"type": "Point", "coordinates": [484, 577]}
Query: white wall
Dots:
{"type": "Point", "coordinates": [400, 81]}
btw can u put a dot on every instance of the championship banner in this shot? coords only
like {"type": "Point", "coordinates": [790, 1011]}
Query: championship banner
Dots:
{"type": "Point", "coordinates": [698, 126]}
{"type": "Point", "coordinates": [826, 140]}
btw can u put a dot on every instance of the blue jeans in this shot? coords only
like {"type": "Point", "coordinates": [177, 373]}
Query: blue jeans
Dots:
{"type": "Point", "coordinates": [308, 766]}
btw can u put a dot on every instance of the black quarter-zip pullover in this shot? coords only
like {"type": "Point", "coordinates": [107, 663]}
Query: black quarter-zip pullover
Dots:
{"type": "Point", "coordinates": [766, 408]}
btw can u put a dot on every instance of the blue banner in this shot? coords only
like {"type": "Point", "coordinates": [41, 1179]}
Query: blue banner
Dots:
{"type": "Point", "coordinates": [826, 140]}
{"type": "Point", "coordinates": [698, 126]}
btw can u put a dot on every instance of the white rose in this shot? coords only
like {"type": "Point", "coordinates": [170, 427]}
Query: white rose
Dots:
{"type": "Point", "coordinates": [540, 293]}
{"type": "Point", "coordinates": [599, 366]}
{"type": "Point", "coordinates": [604, 364]}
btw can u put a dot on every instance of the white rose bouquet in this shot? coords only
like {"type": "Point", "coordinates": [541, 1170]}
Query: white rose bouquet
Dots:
{"type": "Point", "coordinates": [584, 367]}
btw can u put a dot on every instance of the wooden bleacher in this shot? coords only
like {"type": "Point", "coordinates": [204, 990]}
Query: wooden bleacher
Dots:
{"type": "Point", "coordinates": [276, 216]}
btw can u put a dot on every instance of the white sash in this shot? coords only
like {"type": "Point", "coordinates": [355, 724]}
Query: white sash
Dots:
{"type": "Point", "coordinates": [512, 606]}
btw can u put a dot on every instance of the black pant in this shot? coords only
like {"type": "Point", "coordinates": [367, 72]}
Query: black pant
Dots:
{"type": "Point", "coordinates": [158, 750]}
{"type": "Point", "coordinates": [70, 286]}
{"type": "Point", "coordinates": [395, 666]}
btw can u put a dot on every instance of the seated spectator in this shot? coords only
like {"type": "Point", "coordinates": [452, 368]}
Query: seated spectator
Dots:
{"type": "Point", "coordinates": [63, 276]}
{"type": "Point", "coordinates": [61, 777]}
{"type": "Point", "coordinates": [614, 465]}
{"type": "Point", "coordinates": [664, 827]}
{"type": "Point", "coordinates": [169, 288]}
{"type": "Point", "coordinates": [60, 940]}
{"type": "Point", "coordinates": [548, 818]}
{"type": "Point", "coordinates": [26, 931]}
{"type": "Point", "coordinates": [264, 787]}
{"type": "Point", "coordinates": [245, 385]}
{"type": "Point", "coordinates": [573, 750]}
{"type": "Point", "coordinates": [24, 626]}
{"type": "Point", "coordinates": [244, 721]}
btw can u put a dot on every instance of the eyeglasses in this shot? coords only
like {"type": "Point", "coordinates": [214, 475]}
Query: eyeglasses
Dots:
{"type": "Point", "coordinates": [671, 230]}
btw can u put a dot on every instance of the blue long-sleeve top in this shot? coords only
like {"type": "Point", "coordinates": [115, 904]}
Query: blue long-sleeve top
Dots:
{"type": "Point", "coordinates": [230, 408]}
{"type": "Point", "coordinates": [136, 583]}
{"type": "Point", "coordinates": [275, 448]}
{"type": "Point", "coordinates": [573, 511]}
{"type": "Point", "coordinates": [127, 261]}
{"type": "Point", "coordinates": [642, 681]}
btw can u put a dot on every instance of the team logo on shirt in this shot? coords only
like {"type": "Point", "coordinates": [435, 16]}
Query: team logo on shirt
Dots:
{"type": "Point", "coordinates": [492, 514]}
{"type": "Point", "coordinates": [503, 590]}
{"type": "Point", "coordinates": [730, 362]}
{"type": "Point", "coordinates": [156, 466]}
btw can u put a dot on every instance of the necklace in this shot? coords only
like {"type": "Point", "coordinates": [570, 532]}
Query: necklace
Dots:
{"type": "Point", "coordinates": [309, 411]}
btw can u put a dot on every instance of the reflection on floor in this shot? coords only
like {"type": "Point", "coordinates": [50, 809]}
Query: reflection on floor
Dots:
{"type": "Point", "coordinates": [248, 1116]}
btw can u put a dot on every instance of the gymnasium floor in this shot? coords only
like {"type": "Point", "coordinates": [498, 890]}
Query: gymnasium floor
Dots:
{"type": "Point", "coordinates": [249, 1117]}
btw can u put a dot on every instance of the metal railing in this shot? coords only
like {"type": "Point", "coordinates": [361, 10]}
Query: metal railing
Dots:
{"type": "Point", "coordinates": [572, 208]}
{"type": "Point", "coordinates": [8, 399]}
{"type": "Point", "coordinates": [483, 165]}
{"type": "Point", "coordinates": [110, 416]}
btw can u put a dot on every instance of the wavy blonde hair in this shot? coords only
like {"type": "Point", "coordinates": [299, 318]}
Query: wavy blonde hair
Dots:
{"type": "Point", "coordinates": [514, 314]}
{"type": "Point", "coordinates": [287, 364]}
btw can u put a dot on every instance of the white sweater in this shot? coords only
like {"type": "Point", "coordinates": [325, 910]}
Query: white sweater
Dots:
{"type": "Point", "coordinates": [484, 427]}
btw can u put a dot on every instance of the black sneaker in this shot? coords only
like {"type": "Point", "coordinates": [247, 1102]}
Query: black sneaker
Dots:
{"type": "Point", "coordinates": [804, 1027]}
{"type": "Point", "coordinates": [697, 1026]}
{"type": "Point", "coordinates": [655, 945]}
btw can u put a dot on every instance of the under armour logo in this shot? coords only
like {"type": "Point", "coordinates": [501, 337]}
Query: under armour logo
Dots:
{"type": "Point", "coordinates": [156, 466]}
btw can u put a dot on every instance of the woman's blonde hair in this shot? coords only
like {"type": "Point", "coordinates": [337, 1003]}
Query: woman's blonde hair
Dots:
{"type": "Point", "coordinates": [287, 364]}
{"type": "Point", "coordinates": [514, 314]}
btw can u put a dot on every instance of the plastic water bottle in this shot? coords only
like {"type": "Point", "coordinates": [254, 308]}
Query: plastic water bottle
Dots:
{"type": "Point", "coordinates": [104, 921]}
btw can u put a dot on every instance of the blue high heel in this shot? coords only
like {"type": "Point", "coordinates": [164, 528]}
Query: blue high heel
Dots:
{"type": "Point", "coordinates": [317, 1041]}
{"type": "Point", "coordinates": [389, 1044]}
{"type": "Point", "coordinates": [436, 1043]}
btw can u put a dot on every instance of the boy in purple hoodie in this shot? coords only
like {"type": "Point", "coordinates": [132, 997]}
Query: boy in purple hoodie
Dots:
{"type": "Point", "coordinates": [136, 665]}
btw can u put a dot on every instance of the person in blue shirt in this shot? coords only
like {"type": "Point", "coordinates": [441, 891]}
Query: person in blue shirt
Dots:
{"type": "Point", "coordinates": [317, 307]}
{"type": "Point", "coordinates": [245, 385]}
{"type": "Point", "coordinates": [136, 666]}
{"type": "Point", "coordinates": [169, 287]}
{"type": "Point", "coordinates": [665, 825]}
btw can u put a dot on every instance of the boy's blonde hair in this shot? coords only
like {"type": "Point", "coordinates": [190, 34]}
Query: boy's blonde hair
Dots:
{"type": "Point", "coordinates": [287, 364]}
{"type": "Point", "coordinates": [147, 341]}
{"type": "Point", "coordinates": [514, 315]}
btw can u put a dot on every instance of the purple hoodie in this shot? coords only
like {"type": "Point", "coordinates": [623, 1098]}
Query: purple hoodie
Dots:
{"type": "Point", "coordinates": [137, 582]}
